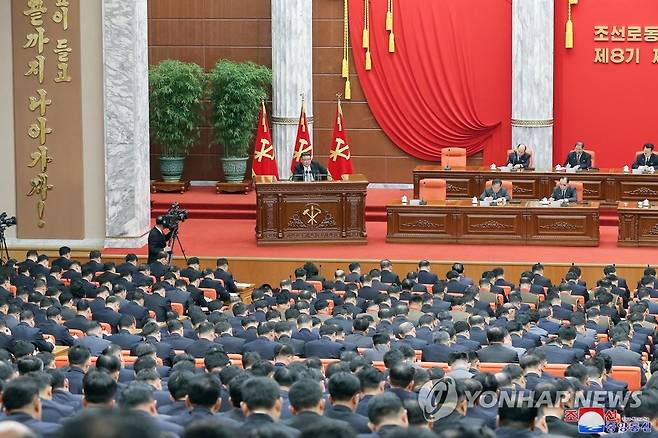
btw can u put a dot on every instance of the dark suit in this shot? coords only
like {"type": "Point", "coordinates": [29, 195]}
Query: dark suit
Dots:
{"type": "Point", "coordinates": [209, 283]}
{"type": "Point", "coordinates": [316, 170]}
{"type": "Point", "coordinates": [641, 160]}
{"type": "Point", "coordinates": [157, 242]}
{"type": "Point", "coordinates": [200, 413]}
{"type": "Point", "coordinates": [227, 278]}
{"type": "Point", "coordinates": [262, 346]}
{"type": "Point", "coordinates": [557, 354]}
{"type": "Point", "coordinates": [306, 419]}
{"type": "Point", "coordinates": [23, 332]}
{"type": "Point", "coordinates": [427, 277]}
{"type": "Point", "coordinates": [108, 316]}
{"type": "Point", "coordinates": [523, 159]}
{"type": "Point", "coordinates": [74, 376]}
{"type": "Point", "coordinates": [178, 342]}
{"type": "Point", "coordinates": [439, 352]}
{"type": "Point", "coordinates": [158, 270]}
{"type": "Point", "coordinates": [160, 305]}
{"type": "Point", "coordinates": [231, 344]}
{"type": "Point", "coordinates": [60, 332]}
{"type": "Point", "coordinates": [258, 424]}
{"type": "Point", "coordinates": [140, 313]}
{"type": "Point", "coordinates": [498, 353]}
{"type": "Point", "coordinates": [489, 193]}
{"type": "Point", "coordinates": [124, 339]}
{"type": "Point", "coordinates": [297, 345]}
{"type": "Point", "coordinates": [53, 412]}
{"type": "Point", "coordinates": [323, 348]}
{"type": "Point", "coordinates": [390, 277]}
{"type": "Point", "coordinates": [96, 345]}
{"type": "Point", "coordinates": [339, 412]}
{"type": "Point", "coordinates": [42, 428]}
{"type": "Point", "coordinates": [585, 160]}
{"type": "Point", "coordinates": [199, 347]}
{"type": "Point", "coordinates": [625, 357]}
{"type": "Point", "coordinates": [368, 293]}
{"type": "Point", "coordinates": [305, 335]}
{"type": "Point", "coordinates": [569, 193]}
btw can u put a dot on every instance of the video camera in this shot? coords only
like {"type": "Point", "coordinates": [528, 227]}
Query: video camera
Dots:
{"type": "Point", "coordinates": [6, 221]}
{"type": "Point", "coordinates": [173, 216]}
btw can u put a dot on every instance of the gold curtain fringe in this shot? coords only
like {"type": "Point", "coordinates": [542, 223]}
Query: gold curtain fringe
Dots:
{"type": "Point", "coordinates": [389, 20]}
{"type": "Point", "coordinates": [391, 43]}
{"type": "Point", "coordinates": [348, 89]}
{"type": "Point", "coordinates": [346, 68]}
{"type": "Point", "coordinates": [366, 38]}
{"type": "Point", "coordinates": [368, 61]}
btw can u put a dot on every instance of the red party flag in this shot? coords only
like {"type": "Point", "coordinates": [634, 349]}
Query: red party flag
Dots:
{"type": "Point", "coordinates": [264, 161]}
{"type": "Point", "coordinates": [340, 157]}
{"type": "Point", "coordinates": [303, 141]}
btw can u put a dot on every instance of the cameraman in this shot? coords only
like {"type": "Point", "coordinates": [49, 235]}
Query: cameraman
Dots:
{"type": "Point", "coordinates": [158, 239]}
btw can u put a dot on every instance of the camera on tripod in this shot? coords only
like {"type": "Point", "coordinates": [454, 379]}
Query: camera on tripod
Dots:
{"type": "Point", "coordinates": [6, 221]}
{"type": "Point", "coordinates": [174, 216]}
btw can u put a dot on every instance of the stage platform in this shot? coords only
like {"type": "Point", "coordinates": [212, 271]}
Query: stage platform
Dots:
{"type": "Point", "coordinates": [204, 203]}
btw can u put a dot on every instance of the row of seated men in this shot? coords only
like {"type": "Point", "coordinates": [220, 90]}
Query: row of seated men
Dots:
{"type": "Point", "coordinates": [357, 319]}
{"type": "Point", "coordinates": [579, 157]}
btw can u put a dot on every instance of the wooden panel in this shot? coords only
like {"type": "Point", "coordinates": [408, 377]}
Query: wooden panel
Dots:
{"type": "Point", "coordinates": [638, 227]}
{"type": "Point", "coordinates": [291, 213]}
{"type": "Point", "coordinates": [363, 142]}
{"type": "Point", "coordinates": [176, 9]}
{"type": "Point", "coordinates": [259, 55]}
{"type": "Point", "coordinates": [185, 33]}
{"type": "Point", "coordinates": [523, 223]}
{"type": "Point", "coordinates": [236, 9]}
{"type": "Point", "coordinates": [639, 189]}
{"type": "Point", "coordinates": [325, 87]}
{"type": "Point", "coordinates": [185, 54]}
{"type": "Point", "coordinates": [241, 33]}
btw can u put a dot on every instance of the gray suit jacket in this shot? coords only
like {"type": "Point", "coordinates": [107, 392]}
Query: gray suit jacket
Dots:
{"type": "Point", "coordinates": [489, 193]}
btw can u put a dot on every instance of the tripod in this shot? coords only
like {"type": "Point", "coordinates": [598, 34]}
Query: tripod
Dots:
{"type": "Point", "coordinates": [4, 250]}
{"type": "Point", "coordinates": [175, 238]}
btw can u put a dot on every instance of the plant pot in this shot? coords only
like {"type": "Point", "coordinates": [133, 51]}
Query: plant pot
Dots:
{"type": "Point", "coordinates": [234, 168]}
{"type": "Point", "coordinates": [171, 168]}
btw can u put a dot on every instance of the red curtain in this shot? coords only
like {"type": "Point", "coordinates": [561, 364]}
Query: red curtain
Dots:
{"type": "Point", "coordinates": [609, 106]}
{"type": "Point", "coordinates": [448, 82]}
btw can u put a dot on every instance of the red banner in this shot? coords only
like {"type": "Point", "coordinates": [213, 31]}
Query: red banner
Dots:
{"type": "Point", "coordinates": [303, 140]}
{"type": "Point", "coordinates": [264, 161]}
{"type": "Point", "coordinates": [340, 156]}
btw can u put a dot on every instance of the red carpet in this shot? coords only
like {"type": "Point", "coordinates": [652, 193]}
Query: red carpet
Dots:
{"type": "Point", "coordinates": [204, 203]}
{"type": "Point", "coordinates": [235, 238]}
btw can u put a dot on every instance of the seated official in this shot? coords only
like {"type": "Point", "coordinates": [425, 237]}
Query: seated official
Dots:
{"type": "Point", "coordinates": [309, 170]}
{"type": "Point", "coordinates": [519, 159]}
{"type": "Point", "coordinates": [579, 158]}
{"type": "Point", "coordinates": [495, 192]}
{"type": "Point", "coordinates": [564, 191]}
{"type": "Point", "coordinates": [648, 158]}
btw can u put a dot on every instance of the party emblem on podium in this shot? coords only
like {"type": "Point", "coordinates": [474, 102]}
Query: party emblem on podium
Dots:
{"type": "Point", "coordinates": [312, 213]}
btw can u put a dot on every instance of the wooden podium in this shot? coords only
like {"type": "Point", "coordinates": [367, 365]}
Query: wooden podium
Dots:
{"type": "Point", "coordinates": [311, 212]}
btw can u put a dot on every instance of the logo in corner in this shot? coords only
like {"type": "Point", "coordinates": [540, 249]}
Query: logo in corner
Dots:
{"type": "Point", "coordinates": [591, 420]}
{"type": "Point", "coordinates": [438, 398]}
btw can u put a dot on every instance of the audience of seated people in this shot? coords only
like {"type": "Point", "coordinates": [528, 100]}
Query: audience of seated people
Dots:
{"type": "Point", "coordinates": [92, 349]}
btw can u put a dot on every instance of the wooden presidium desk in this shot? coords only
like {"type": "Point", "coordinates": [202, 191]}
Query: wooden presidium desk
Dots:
{"type": "Point", "coordinates": [607, 186]}
{"type": "Point", "coordinates": [637, 226]}
{"type": "Point", "coordinates": [524, 223]}
{"type": "Point", "coordinates": [311, 212]}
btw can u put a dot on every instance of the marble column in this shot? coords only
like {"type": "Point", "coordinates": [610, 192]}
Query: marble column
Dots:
{"type": "Point", "coordinates": [126, 110]}
{"type": "Point", "coordinates": [532, 78]}
{"type": "Point", "coordinates": [292, 69]}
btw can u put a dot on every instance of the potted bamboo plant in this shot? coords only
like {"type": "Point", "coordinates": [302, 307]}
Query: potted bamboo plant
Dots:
{"type": "Point", "coordinates": [237, 90]}
{"type": "Point", "coordinates": [176, 94]}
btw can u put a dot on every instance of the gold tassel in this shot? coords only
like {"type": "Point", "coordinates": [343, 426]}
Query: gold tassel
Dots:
{"type": "Point", "coordinates": [391, 43]}
{"type": "Point", "coordinates": [568, 38]}
{"type": "Point", "coordinates": [348, 89]}
{"type": "Point", "coordinates": [389, 20]}
{"type": "Point", "coordinates": [346, 68]}
{"type": "Point", "coordinates": [366, 39]}
{"type": "Point", "coordinates": [368, 61]}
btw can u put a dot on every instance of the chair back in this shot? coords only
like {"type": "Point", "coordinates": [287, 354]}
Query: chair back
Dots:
{"type": "Point", "coordinates": [433, 189]}
{"type": "Point", "coordinates": [453, 157]}
{"type": "Point", "coordinates": [592, 154]}
{"type": "Point", "coordinates": [527, 151]}
{"type": "Point", "coordinates": [507, 185]}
